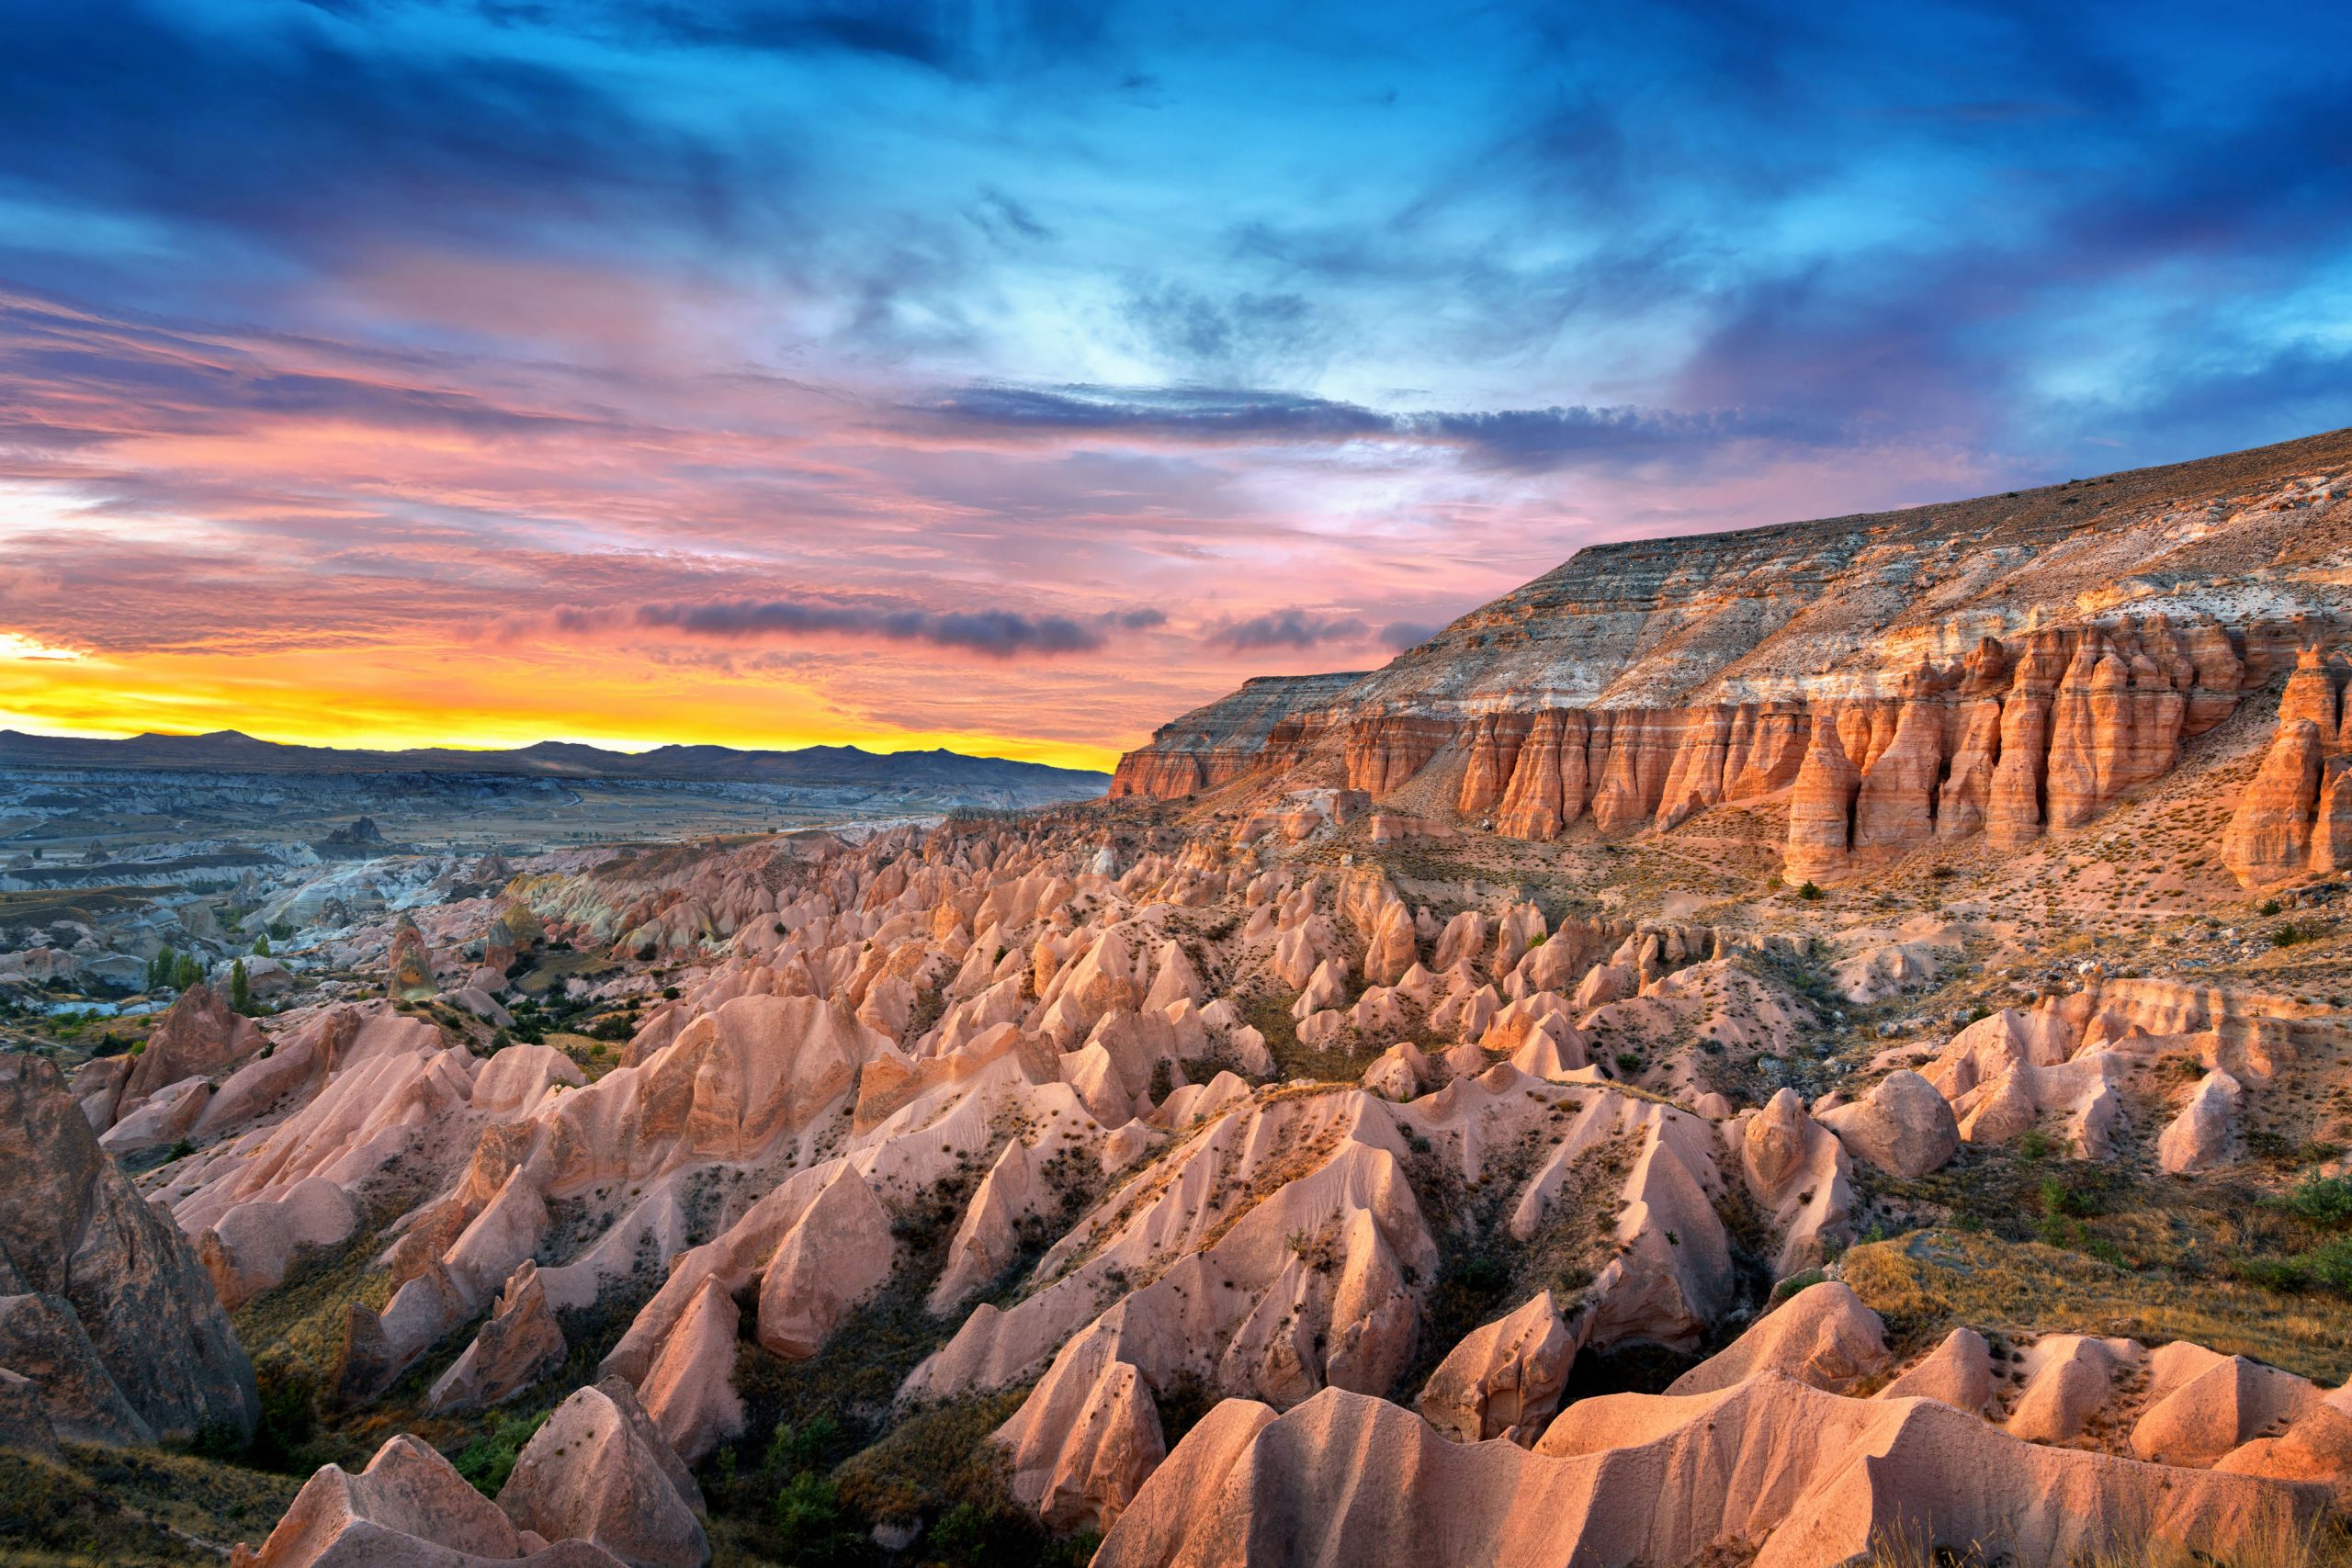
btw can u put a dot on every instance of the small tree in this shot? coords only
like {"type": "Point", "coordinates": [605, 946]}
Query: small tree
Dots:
{"type": "Point", "coordinates": [261, 945]}
{"type": "Point", "coordinates": [241, 991]}
{"type": "Point", "coordinates": [187, 972]}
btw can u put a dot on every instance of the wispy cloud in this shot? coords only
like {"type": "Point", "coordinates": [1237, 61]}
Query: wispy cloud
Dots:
{"type": "Point", "coordinates": [1034, 371]}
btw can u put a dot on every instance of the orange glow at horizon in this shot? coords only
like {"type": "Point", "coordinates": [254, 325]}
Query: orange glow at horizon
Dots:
{"type": "Point", "coordinates": [320, 541]}
{"type": "Point", "coordinates": [365, 703]}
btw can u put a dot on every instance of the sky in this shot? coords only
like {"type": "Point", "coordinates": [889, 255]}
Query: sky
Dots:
{"type": "Point", "coordinates": [1014, 377]}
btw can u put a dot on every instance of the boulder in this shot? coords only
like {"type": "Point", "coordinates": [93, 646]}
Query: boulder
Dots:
{"type": "Point", "coordinates": [1503, 1380]}
{"type": "Point", "coordinates": [407, 1509]}
{"type": "Point", "coordinates": [1902, 1127]}
{"type": "Point", "coordinates": [520, 1344]}
{"type": "Point", "coordinates": [600, 1471]}
{"type": "Point", "coordinates": [838, 1255]}
{"type": "Point", "coordinates": [76, 1234]}
{"type": "Point", "coordinates": [2205, 1133]}
{"type": "Point", "coordinates": [1775, 1142]}
{"type": "Point", "coordinates": [409, 965]}
{"type": "Point", "coordinates": [1822, 1335]}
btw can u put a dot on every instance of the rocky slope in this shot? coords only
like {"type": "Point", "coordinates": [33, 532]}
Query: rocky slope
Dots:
{"type": "Point", "coordinates": [103, 1306]}
{"type": "Point", "coordinates": [1022, 1079]}
{"type": "Point", "coordinates": [2008, 667]}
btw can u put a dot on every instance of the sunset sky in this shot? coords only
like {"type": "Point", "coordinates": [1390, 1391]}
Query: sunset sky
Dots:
{"type": "Point", "coordinates": [1014, 377]}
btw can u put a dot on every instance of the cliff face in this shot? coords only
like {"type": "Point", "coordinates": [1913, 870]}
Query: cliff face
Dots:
{"type": "Point", "coordinates": [2009, 665]}
{"type": "Point", "coordinates": [1218, 743]}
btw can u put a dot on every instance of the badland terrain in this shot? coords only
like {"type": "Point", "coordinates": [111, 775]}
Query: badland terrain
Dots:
{"type": "Point", "coordinates": [1817, 1044]}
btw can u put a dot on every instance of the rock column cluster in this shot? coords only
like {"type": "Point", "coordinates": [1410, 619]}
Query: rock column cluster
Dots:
{"type": "Point", "coordinates": [2296, 815]}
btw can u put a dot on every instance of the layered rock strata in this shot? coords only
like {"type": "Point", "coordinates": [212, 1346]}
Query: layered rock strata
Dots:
{"type": "Point", "coordinates": [2011, 667]}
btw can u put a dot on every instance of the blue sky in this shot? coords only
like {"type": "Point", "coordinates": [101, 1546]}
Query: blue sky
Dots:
{"type": "Point", "coordinates": [721, 355]}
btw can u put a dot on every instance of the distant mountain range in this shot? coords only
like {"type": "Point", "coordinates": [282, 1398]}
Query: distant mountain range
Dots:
{"type": "Point", "coordinates": [227, 750]}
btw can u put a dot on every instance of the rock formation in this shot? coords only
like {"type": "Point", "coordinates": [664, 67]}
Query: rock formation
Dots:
{"type": "Point", "coordinates": [598, 1471]}
{"type": "Point", "coordinates": [1270, 1162]}
{"type": "Point", "coordinates": [103, 1303]}
{"type": "Point", "coordinates": [1641, 683]}
{"type": "Point", "coordinates": [407, 1507]}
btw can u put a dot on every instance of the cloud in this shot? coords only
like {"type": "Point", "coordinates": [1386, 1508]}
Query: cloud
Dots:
{"type": "Point", "coordinates": [1244, 332]}
{"type": "Point", "coordinates": [1005, 219]}
{"type": "Point", "coordinates": [17, 645]}
{"type": "Point", "coordinates": [1288, 629]}
{"type": "Point", "coordinates": [80, 378]}
{"type": "Point", "coordinates": [306, 135]}
{"type": "Point", "coordinates": [1526, 440]}
{"type": "Point", "coordinates": [1398, 636]}
{"type": "Point", "coordinates": [998, 634]}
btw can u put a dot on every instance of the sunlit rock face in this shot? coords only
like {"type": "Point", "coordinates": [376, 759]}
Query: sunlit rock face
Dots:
{"type": "Point", "coordinates": [1990, 667]}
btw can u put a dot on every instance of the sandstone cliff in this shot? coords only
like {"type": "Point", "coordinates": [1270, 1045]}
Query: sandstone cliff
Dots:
{"type": "Point", "coordinates": [2010, 665]}
{"type": "Point", "coordinates": [1214, 744]}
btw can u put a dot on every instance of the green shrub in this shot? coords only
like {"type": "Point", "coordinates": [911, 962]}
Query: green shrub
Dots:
{"type": "Point", "coordinates": [2322, 1200]}
{"type": "Point", "coordinates": [810, 1525]}
{"type": "Point", "coordinates": [488, 1461]}
{"type": "Point", "coordinates": [792, 1449]}
{"type": "Point", "coordinates": [1796, 1283]}
{"type": "Point", "coordinates": [1810, 893]}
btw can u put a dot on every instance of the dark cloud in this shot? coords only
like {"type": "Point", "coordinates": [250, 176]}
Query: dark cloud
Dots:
{"type": "Point", "coordinates": [1242, 332]}
{"type": "Point", "coordinates": [1005, 220]}
{"type": "Point", "coordinates": [306, 138]}
{"type": "Point", "coordinates": [1288, 629]}
{"type": "Point", "coordinates": [1526, 439]}
{"type": "Point", "coordinates": [999, 634]}
{"type": "Point", "coordinates": [1398, 636]}
{"type": "Point", "coordinates": [2240, 400]}
{"type": "Point", "coordinates": [963, 37]}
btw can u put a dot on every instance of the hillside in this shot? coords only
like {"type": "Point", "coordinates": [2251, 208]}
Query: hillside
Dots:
{"type": "Point", "coordinates": [228, 751]}
{"type": "Point", "coordinates": [2011, 665]}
